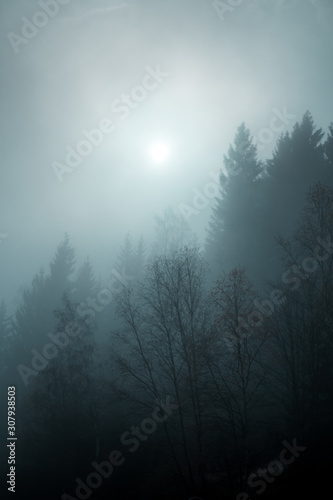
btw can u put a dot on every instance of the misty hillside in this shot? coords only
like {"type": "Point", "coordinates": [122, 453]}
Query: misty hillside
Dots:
{"type": "Point", "coordinates": [166, 250]}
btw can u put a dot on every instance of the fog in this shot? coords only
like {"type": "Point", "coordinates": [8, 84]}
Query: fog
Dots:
{"type": "Point", "coordinates": [66, 77]}
{"type": "Point", "coordinates": [117, 124]}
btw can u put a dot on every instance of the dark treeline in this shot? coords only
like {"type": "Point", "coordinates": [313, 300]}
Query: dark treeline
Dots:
{"type": "Point", "coordinates": [188, 371]}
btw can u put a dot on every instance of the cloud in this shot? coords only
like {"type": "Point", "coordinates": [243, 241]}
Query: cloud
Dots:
{"type": "Point", "coordinates": [96, 12]}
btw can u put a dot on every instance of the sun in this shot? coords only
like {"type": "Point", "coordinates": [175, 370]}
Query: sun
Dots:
{"type": "Point", "coordinates": [159, 151]}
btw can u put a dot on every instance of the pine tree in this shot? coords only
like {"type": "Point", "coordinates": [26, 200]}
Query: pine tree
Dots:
{"type": "Point", "coordinates": [62, 267]}
{"type": "Point", "coordinates": [233, 223]}
{"type": "Point", "coordinates": [31, 315]}
{"type": "Point", "coordinates": [126, 258]}
{"type": "Point", "coordinates": [62, 412]}
{"type": "Point", "coordinates": [5, 336]}
{"type": "Point", "coordinates": [297, 162]}
{"type": "Point", "coordinates": [85, 282]}
{"type": "Point", "coordinates": [34, 317]}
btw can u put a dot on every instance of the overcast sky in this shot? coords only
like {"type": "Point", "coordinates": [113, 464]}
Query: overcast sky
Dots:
{"type": "Point", "coordinates": [214, 70]}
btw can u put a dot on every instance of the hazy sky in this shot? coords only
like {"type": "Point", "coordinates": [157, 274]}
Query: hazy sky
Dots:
{"type": "Point", "coordinates": [213, 72]}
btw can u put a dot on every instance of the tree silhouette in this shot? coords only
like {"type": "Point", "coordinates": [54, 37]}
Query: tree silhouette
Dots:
{"type": "Point", "coordinates": [232, 228]}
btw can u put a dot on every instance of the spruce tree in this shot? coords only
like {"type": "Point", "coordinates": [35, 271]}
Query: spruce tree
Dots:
{"type": "Point", "coordinates": [233, 221]}
{"type": "Point", "coordinates": [5, 336]}
{"type": "Point", "coordinates": [34, 318]}
{"type": "Point", "coordinates": [85, 282]}
{"type": "Point", "coordinates": [297, 162]}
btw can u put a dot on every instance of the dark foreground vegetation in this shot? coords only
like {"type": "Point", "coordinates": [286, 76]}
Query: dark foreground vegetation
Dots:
{"type": "Point", "coordinates": [188, 371]}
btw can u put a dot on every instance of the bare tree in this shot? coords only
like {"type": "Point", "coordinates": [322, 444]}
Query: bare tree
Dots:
{"type": "Point", "coordinates": [165, 322]}
{"type": "Point", "coordinates": [304, 322]}
{"type": "Point", "coordinates": [238, 367]}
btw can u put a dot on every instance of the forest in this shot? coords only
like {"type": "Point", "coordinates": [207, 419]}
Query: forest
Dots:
{"type": "Point", "coordinates": [190, 369]}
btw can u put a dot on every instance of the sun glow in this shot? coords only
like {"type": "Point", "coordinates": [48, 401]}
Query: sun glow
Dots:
{"type": "Point", "coordinates": [159, 152]}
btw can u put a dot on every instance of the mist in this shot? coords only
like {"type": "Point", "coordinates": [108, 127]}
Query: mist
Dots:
{"type": "Point", "coordinates": [165, 226]}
